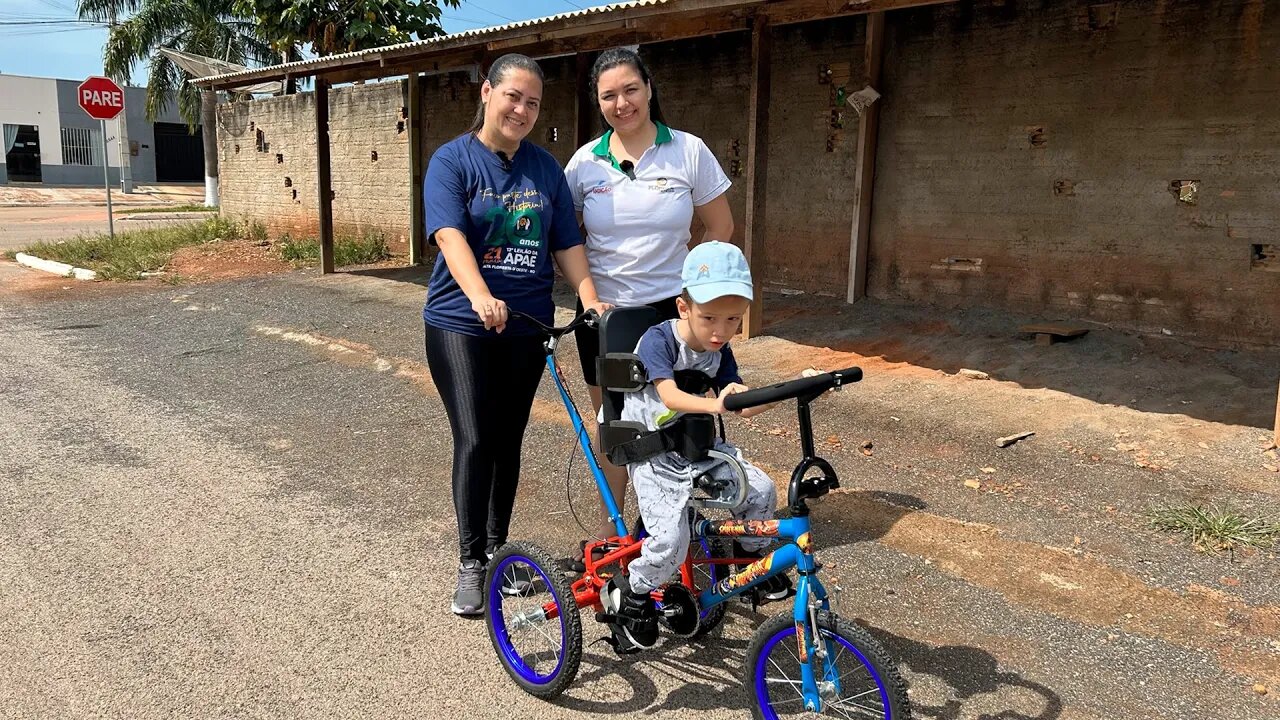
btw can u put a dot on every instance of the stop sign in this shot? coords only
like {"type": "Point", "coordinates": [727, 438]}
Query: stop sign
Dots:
{"type": "Point", "coordinates": [100, 97]}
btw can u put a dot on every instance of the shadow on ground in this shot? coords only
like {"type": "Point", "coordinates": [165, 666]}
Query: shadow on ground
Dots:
{"type": "Point", "coordinates": [1152, 374]}
{"type": "Point", "coordinates": [413, 275]}
{"type": "Point", "coordinates": [968, 672]}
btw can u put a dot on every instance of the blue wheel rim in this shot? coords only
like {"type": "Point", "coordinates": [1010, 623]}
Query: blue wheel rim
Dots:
{"type": "Point", "coordinates": [511, 657]}
{"type": "Point", "coordinates": [762, 663]}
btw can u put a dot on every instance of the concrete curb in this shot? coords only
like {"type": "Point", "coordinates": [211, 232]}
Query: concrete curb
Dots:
{"type": "Point", "coordinates": [57, 268]}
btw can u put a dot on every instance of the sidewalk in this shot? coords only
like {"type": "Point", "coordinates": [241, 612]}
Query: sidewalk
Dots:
{"type": "Point", "coordinates": [34, 195]}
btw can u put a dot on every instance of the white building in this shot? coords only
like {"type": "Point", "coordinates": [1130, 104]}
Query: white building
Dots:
{"type": "Point", "coordinates": [48, 139]}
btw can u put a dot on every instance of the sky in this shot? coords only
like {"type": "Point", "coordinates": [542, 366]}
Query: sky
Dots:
{"type": "Point", "coordinates": [36, 38]}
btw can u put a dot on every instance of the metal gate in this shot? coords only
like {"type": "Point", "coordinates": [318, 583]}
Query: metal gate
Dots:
{"type": "Point", "coordinates": [179, 155]}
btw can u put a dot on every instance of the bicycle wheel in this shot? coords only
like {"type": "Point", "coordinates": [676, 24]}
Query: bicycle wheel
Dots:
{"type": "Point", "coordinates": [856, 679]}
{"type": "Point", "coordinates": [705, 576]}
{"type": "Point", "coordinates": [536, 630]}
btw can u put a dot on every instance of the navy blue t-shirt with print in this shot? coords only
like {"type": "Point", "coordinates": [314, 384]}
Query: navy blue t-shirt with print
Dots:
{"type": "Point", "coordinates": [512, 219]}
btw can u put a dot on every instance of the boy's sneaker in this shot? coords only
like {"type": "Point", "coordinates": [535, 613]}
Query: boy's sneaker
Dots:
{"type": "Point", "coordinates": [635, 624]}
{"type": "Point", "coordinates": [468, 599]}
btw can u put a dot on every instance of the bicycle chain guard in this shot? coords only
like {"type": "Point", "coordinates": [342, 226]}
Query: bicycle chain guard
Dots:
{"type": "Point", "coordinates": [679, 611]}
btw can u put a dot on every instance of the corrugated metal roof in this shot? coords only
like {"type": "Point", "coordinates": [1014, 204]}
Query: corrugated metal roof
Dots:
{"type": "Point", "coordinates": [476, 34]}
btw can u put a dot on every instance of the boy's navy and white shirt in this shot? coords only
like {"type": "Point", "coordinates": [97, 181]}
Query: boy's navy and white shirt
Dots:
{"type": "Point", "coordinates": [663, 352]}
{"type": "Point", "coordinates": [638, 227]}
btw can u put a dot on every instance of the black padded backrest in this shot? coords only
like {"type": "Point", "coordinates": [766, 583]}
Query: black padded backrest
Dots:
{"type": "Point", "coordinates": [620, 330]}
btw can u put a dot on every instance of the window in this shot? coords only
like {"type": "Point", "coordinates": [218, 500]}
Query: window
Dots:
{"type": "Point", "coordinates": [81, 146]}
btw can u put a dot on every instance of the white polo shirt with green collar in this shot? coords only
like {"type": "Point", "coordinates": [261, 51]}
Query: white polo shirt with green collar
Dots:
{"type": "Point", "coordinates": [638, 229]}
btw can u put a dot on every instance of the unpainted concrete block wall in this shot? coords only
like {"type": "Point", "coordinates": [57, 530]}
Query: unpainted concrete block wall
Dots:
{"type": "Point", "coordinates": [1116, 162]}
{"type": "Point", "coordinates": [1032, 156]}
{"type": "Point", "coordinates": [813, 153]}
{"type": "Point", "coordinates": [703, 89]}
{"type": "Point", "coordinates": [273, 179]}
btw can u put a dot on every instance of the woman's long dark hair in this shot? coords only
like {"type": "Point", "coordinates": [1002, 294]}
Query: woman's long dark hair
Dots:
{"type": "Point", "coordinates": [610, 59]}
{"type": "Point", "coordinates": [498, 72]}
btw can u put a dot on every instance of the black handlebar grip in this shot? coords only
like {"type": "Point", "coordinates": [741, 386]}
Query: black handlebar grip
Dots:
{"type": "Point", "coordinates": [849, 375]}
{"type": "Point", "coordinates": [780, 391]}
{"type": "Point", "coordinates": [792, 389]}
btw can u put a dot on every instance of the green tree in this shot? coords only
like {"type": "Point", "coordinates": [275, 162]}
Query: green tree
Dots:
{"type": "Point", "coordinates": [211, 28]}
{"type": "Point", "coordinates": [333, 26]}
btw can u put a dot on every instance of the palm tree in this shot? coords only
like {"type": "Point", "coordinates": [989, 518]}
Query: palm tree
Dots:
{"type": "Point", "coordinates": [201, 27]}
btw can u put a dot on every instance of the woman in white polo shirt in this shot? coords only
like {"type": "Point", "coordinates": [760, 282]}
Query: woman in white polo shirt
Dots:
{"type": "Point", "coordinates": [637, 189]}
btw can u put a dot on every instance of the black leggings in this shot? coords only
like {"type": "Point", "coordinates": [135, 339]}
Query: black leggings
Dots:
{"type": "Point", "coordinates": [487, 385]}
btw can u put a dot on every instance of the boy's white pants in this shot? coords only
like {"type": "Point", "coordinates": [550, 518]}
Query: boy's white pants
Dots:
{"type": "Point", "coordinates": [664, 484]}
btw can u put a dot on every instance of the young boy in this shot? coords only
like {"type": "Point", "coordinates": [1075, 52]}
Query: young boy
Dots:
{"type": "Point", "coordinates": [717, 293]}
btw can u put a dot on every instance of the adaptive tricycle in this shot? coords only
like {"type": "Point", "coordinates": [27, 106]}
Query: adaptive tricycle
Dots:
{"type": "Point", "coordinates": [807, 660]}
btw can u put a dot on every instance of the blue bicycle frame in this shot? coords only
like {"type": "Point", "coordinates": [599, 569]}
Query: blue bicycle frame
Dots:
{"type": "Point", "coordinates": [584, 440]}
{"type": "Point", "coordinates": [810, 594]}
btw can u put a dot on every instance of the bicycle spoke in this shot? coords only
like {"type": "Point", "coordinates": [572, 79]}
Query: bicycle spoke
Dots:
{"type": "Point", "coordinates": [519, 612]}
{"type": "Point", "coordinates": [862, 710]}
{"type": "Point", "coordinates": [796, 685]}
{"type": "Point", "coordinates": [554, 641]}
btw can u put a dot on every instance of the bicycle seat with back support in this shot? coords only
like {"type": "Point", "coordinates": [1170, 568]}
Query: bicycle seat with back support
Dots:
{"type": "Point", "coordinates": [693, 436]}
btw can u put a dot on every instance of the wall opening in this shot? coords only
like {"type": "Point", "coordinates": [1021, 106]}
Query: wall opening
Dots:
{"type": "Point", "coordinates": [22, 153]}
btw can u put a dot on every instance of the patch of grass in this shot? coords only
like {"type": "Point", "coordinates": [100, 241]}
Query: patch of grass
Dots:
{"type": "Point", "coordinates": [167, 209]}
{"type": "Point", "coordinates": [134, 252]}
{"type": "Point", "coordinates": [255, 231]}
{"type": "Point", "coordinates": [347, 250]}
{"type": "Point", "coordinates": [1214, 529]}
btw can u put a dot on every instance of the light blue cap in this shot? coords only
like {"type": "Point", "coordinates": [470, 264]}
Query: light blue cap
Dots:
{"type": "Point", "coordinates": [715, 269]}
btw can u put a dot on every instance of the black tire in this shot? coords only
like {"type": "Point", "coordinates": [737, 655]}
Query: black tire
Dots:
{"type": "Point", "coordinates": [547, 584]}
{"type": "Point", "coordinates": [780, 630]}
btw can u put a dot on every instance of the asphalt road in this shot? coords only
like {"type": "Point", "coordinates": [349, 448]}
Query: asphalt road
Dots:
{"type": "Point", "coordinates": [232, 500]}
{"type": "Point", "coordinates": [22, 226]}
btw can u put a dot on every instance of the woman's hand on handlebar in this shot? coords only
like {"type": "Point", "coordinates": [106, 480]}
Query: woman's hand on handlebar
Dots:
{"type": "Point", "coordinates": [600, 307]}
{"type": "Point", "coordinates": [491, 311]}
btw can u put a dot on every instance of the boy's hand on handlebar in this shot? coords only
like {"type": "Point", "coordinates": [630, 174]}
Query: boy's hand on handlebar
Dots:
{"type": "Point", "coordinates": [810, 372]}
{"type": "Point", "coordinates": [728, 390]}
{"type": "Point", "coordinates": [491, 311]}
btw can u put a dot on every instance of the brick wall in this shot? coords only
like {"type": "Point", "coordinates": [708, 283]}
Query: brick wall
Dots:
{"type": "Point", "coordinates": [1027, 151]}
{"type": "Point", "coordinates": [274, 180]}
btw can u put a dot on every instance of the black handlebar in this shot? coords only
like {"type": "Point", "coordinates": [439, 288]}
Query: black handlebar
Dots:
{"type": "Point", "coordinates": [588, 317]}
{"type": "Point", "coordinates": [803, 387]}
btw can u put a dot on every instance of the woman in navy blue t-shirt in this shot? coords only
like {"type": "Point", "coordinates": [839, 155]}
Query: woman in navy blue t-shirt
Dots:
{"type": "Point", "coordinates": [499, 209]}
